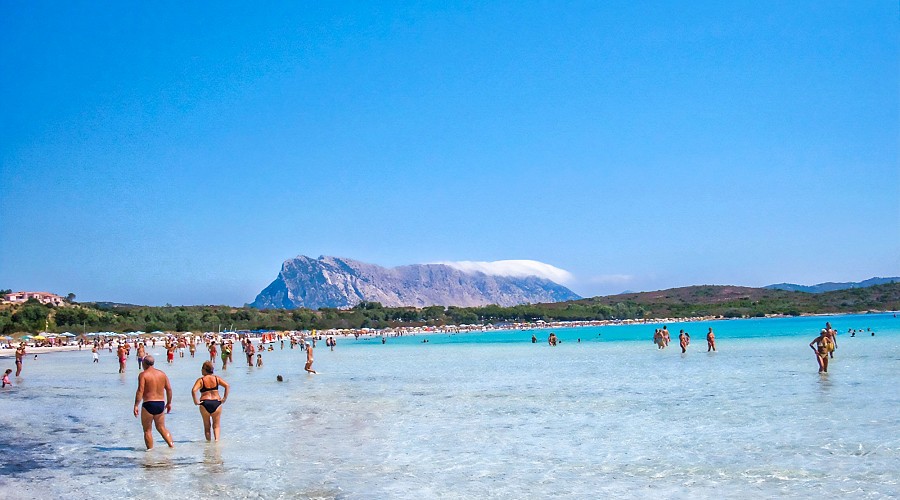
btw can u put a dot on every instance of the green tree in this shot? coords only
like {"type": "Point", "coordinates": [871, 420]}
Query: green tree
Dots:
{"type": "Point", "coordinates": [32, 317]}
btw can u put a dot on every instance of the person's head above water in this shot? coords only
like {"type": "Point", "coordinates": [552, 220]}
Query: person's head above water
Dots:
{"type": "Point", "coordinates": [148, 361]}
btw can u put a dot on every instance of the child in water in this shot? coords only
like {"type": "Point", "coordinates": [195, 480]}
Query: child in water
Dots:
{"type": "Point", "coordinates": [6, 381]}
{"type": "Point", "coordinates": [258, 360]}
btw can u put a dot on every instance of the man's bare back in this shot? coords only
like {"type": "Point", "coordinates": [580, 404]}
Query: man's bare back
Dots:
{"type": "Point", "coordinates": [309, 359]}
{"type": "Point", "coordinates": [152, 385]}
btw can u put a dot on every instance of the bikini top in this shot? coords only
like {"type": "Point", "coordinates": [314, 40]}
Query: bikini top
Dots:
{"type": "Point", "coordinates": [203, 387]}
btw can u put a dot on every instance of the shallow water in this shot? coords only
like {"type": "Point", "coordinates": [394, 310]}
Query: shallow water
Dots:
{"type": "Point", "coordinates": [482, 415]}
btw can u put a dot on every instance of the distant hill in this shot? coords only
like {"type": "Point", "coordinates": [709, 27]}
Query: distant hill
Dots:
{"type": "Point", "coordinates": [109, 305]}
{"type": "Point", "coordinates": [334, 282]}
{"type": "Point", "coordinates": [830, 287]}
{"type": "Point", "coordinates": [738, 301]}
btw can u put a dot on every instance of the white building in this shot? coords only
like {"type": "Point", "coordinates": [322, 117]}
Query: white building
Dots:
{"type": "Point", "coordinates": [42, 297]}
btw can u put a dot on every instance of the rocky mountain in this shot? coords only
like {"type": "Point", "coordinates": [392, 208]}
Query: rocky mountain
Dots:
{"type": "Point", "coordinates": [830, 287]}
{"type": "Point", "coordinates": [338, 282]}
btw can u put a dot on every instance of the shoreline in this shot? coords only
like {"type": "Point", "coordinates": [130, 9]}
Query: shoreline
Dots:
{"type": "Point", "coordinates": [30, 351]}
{"type": "Point", "coordinates": [451, 329]}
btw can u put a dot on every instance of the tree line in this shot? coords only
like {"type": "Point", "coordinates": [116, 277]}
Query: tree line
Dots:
{"type": "Point", "coordinates": [33, 316]}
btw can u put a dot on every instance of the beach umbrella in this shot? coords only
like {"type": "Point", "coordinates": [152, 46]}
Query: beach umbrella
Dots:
{"type": "Point", "coordinates": [39, 337]}
{"type": "Point", "coordinates": [68, 334]}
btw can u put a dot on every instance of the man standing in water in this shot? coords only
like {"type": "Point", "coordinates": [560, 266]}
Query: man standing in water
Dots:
{"type": "Point", "coordinates": [155, 391]}
{"type": "Point", "coordinates": [120, 353]}
{"type": "Point", "coordinates": [710, 341]}
{"type": "Point", "coordinates": [832, 334]}
{"type": "Point", "coordinates": [309, 359]}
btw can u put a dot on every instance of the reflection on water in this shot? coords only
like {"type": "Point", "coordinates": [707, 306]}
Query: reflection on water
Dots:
{"type": "Point", "coordinates": [149, 461]}
{"type": "Point", "coordinates": [507, 419]}
{"type": "Point", "coordinates": [824, 383]}
{"type": "Point", "coordinates": [212, 459]}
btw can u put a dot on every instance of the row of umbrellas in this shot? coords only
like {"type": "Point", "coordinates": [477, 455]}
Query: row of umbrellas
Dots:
{"type": "Point", "coordinates": [129, 334]}
{"type": "Point", "coordinates": [45, 337]}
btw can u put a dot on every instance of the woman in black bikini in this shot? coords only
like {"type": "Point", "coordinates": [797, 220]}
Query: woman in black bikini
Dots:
{"type": "Point", "coordinates": [210, 402]}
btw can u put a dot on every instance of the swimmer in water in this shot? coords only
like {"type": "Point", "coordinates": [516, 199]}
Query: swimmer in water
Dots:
{"type": "Point", "coordinates": [821, 345]}
{"type": "Point", "coordinates": [832, 333]}
{"type": "Point", "coordinates": [658, 339]}
{"type": "Point", "coordinates": [20, 355]}
{"type": "Point", "coordinates": [210, 402]}
{"type": "Point", "coordinates": [710, 341]}
{"type": "Point", "coordinates": [309, 359]}
{"type": "Point", "coordinates": [226, 355]}
{"type": "Point", "coordinates": [123, 357]}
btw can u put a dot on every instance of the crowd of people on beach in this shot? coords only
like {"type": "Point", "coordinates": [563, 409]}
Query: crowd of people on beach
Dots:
{"type": "Point", "coordinates": [153, 397]}
{"type": "Point", "coordinates": [824, 345]}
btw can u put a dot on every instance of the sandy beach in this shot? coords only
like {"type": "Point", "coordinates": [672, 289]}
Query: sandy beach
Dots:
{"type": "Point", "coordinates": [9, 353]}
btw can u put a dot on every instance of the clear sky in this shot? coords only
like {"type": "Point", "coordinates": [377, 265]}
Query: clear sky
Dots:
{"type": "Point", "coordinates": [179, 152]}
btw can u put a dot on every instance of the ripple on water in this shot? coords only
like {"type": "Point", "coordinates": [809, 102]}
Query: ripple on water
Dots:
{"type": "Point", "coordinates": [613, 419]}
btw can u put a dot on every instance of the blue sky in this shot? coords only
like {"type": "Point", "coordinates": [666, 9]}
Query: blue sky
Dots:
{"type": "Point", "coordinates": [179, 152]}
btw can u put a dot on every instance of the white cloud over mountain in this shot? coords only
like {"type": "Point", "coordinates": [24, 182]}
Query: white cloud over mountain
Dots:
{"type": "Point", "coordinates": [516, 268]}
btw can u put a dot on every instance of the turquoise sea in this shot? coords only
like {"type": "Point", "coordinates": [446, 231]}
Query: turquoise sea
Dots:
{"type": "Point", "coordinates": [483, 415]}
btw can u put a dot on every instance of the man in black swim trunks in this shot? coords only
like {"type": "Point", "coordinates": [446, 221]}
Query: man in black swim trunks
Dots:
{"type": "Point", "coordinates": [155, 391]}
